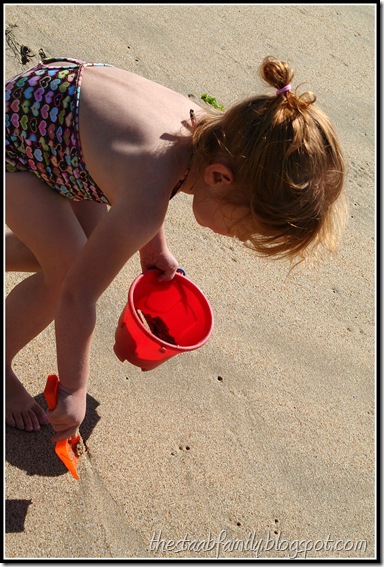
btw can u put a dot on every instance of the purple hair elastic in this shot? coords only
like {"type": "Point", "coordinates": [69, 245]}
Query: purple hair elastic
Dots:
{"type": "Point", "coordinates": [283, 90]}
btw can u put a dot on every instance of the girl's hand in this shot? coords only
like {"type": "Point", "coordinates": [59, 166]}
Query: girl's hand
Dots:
{"type": "Point", "coordinates": [155, 254]}
{"type": "Point", "coordinates": [163, 261]}
{"type": "Point", "coordinates": [69, 412]}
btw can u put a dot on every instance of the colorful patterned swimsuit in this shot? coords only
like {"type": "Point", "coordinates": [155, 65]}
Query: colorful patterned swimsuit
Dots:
{"type": "Point", "coordinates": [42, 128]}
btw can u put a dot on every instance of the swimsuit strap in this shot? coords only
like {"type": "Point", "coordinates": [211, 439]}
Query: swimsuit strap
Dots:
{"type": "Point", "coordinates": [182, 180]}
{"type": "Point", "coordinates": [180, 183]}
{"type": "Point", "coordinates": [78, 62]}
{"type": "Point", "coordinates": [46, 60]}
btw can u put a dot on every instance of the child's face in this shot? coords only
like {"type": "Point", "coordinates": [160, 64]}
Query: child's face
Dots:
{"type": "Point", "coordinates": [217, 216]}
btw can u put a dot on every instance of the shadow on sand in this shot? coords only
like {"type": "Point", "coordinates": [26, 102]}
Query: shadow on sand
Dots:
{"type": "Point", "coordinates": [34, 452]}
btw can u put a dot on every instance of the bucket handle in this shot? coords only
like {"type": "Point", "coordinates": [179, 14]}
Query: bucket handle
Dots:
{"type": "Point", "coordinates": [181, 271]}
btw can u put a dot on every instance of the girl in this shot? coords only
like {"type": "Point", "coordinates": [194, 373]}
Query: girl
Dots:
{"type": "Point", "coordinates": [89, 180]}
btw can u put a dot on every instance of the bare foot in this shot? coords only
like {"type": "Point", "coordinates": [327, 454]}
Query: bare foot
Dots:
{"type": "Point", "coordinates": [21, 409]}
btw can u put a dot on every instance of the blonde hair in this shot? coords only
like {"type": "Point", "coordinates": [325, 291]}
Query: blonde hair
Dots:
{"type": "Point", "coordinates": [287, 165]}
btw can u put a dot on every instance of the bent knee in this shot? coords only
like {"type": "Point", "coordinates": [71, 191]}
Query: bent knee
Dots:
{"type": "Point", "coordinates": [89, 214]}
{"type": "Point", "coordinates": [56, 271]}
{"type": "Point", "coordinates": [18, 257]}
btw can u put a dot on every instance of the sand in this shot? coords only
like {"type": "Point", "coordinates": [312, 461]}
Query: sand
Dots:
{"type": "Point", "coordinates": [262, 442]}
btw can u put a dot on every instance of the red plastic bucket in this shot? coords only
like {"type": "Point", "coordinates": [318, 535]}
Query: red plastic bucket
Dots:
{"type": "Point", "coordinates": [181, 309]}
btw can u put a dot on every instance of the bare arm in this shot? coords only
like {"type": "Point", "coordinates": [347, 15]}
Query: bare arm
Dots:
{"type": "Point", "coordinates": [155, 254]}
{"type": "Point", "coordinates": [122, 233]}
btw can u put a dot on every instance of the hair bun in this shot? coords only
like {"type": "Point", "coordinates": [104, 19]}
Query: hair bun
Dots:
{"type": "Point", "coordinates": [278, 74]}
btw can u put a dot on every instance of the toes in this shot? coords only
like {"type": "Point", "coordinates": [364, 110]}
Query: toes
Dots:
{"type": "Point", "coordinates": [10, 419]}
{"type": "Point", "coordinates": [34, 421]}
{"type": "Point", "coordinates": [29, 420]}
{"type": "Point", "coordinates": [19, 421]}
{"type": "Point", "coordinates": [22, 410]}
{"type": "Point", "coordinates": [40, 414]}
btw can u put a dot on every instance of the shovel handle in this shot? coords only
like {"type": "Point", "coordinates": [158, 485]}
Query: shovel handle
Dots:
{"type": "Point", "coordinates": [50, 391]}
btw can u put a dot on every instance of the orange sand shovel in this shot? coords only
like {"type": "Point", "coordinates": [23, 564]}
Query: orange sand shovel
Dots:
{"type": "Point", "coordinates": [65, 449]}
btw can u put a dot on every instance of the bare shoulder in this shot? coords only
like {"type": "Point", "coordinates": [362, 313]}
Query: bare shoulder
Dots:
{"type": "Point", "coordinates": [127, 127]}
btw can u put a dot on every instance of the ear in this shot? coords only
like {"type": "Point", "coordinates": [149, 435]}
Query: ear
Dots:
{"type": "Point", "coordinates": [217, 174]}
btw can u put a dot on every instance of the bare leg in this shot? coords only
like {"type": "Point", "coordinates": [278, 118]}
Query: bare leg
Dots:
{"type": "Point", "coordinates": [19, 258]}
{"type": "Point", "coordinates": [31, 305]}
{"type": "Point", "coordinates": [89, 214]}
